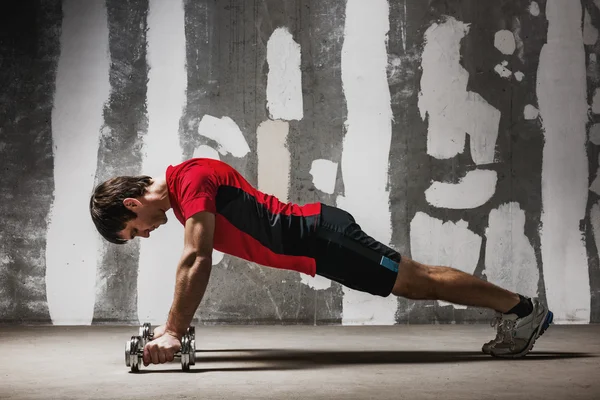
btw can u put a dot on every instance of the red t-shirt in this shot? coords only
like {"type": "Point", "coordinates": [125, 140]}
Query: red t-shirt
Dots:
{"type": "Point", "coordinates": [248, 223]}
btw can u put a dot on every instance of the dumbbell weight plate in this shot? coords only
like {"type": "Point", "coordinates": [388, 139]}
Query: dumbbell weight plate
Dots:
{"type": "Point", "coordinates": [146, 332]}
{"type": "Point", "coordinates": [185, 353]}
{"type": "Point", "coordinates": [128, 353]}
{"type": "Point", "coordinates": [134, 359]}
{"type": "Point", "coordinates": [192, 352]}
{"type": "Point", "coordinates": [192, 332]}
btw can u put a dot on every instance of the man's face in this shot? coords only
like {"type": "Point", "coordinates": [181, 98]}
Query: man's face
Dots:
{"type": "Point", "coordinates": [148, 219]}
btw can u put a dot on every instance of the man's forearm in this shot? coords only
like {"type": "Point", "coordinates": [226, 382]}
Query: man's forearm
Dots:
{"type": "Point", "coordinates": [191, 281]}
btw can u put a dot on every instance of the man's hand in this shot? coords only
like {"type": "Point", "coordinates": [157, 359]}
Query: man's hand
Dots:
{"type": "Point", "coordinates": [161, 350]}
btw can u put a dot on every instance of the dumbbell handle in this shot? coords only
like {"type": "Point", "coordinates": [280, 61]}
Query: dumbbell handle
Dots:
{"type": "Point", "coordinates": [140, 353]}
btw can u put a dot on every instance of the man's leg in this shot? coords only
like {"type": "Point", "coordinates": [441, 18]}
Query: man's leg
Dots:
{"type": "Point", "coordinates": [346, 254]}
{"type": "Point", "coordinates": [425, 282]}
{"type": "Point", "coordinates": [520, 320]}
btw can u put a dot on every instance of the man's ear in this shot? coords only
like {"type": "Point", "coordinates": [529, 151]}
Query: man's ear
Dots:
{"type": "Point", "coordinates": [131, 203]}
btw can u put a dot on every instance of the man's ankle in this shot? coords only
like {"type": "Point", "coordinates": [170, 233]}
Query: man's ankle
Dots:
{"type": "Point", "coordinates": [523, 308]}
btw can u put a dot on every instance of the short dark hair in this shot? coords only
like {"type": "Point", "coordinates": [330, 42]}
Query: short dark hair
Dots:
{"type": "Point", "coordinates": [106, 204]}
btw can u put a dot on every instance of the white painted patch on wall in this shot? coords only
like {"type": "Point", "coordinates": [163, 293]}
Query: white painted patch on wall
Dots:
{"type": "Point", "coordinates": [204, 151]}
{"type": "Point", "coordinates": [504, 41]}
{"type": "Point", "coordinates": [475, 189]}
{"type": "Point", "coordinates": [273, 159]}
{"type": "Point", "coordinates": [167, 82]}
{"type": "Point", "coordinates": [519, 76]}
{"type": "Point", "coordinates": [509, 256]}
{"type": "Point", "coordinates": [503, 71]}
{"type": "Point", "coordinates": [444, 243]}
{"type": "Point", "coordinates": [7, 295]}
{"type": "Point", "coordinates": [82, 89]}
{"type": "Point", "coordinates": [530, 112]}
{"type": "Point", "coordinates": [284, 80]}
{"type": "Point", "coordinates": [217, 257]}
{"type": "Point", "coordinates": [444, 99]}
{"type": "Point", "coordinates": [368, 139]}
{"type": "Point", "coordinates": [595, 220]}
{"type": "Point", "coordinates": [590, 33]}
{"type": "Point", "coordinates": [561, 93]}
{"type": "Point", "coordinates": [534, 8]}
{"type": "Point", "coordinates": [226, 133]}
{"type": "Point", "coordinates": [324, 174]}
{"type": "Point", "coordinates": [316, 282]}
{"type": "Point", "coordinates": [595, 134]}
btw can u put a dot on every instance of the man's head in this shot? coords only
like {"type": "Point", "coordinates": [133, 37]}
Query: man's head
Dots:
{"type": "Point", "coordinates": [124, 207]}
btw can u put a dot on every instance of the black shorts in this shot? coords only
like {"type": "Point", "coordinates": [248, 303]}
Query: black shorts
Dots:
{"type": "Point", "coordinates": [347, 255]}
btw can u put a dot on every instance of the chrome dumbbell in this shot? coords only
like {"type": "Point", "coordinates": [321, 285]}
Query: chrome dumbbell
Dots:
{"type": "Point", "coordinates": [134, 349]}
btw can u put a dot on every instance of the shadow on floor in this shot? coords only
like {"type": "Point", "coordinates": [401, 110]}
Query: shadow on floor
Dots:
{"type": "Point", "coordinates": [300, 359]}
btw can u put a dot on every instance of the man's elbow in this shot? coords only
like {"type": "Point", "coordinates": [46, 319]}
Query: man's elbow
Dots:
{"type": "Point", "coordinates": [197, 260]}
{"type": "Point", "coordinates": [203, 263]}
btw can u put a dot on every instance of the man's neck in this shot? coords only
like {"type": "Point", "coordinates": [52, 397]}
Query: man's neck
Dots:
{"type": "Point", "coordinates": [159, 193]}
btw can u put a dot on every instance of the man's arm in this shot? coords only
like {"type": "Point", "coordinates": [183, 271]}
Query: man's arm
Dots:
{"type": "Point", "coordinates": [193, 272]}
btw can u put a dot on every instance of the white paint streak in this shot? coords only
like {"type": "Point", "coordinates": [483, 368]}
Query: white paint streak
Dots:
{"type": "Point", "coordinates": [404, 24]}
{"type": "Point", "coordinates": [590, 33]}
{"type": "Point", "coordinates": [82, 88]}
{"type": "Point", "coordinates": [7, 294]}
{"type": "Point", "coordinates": [273, 159]}
{"type": "Point", "coordinates": [167, 83]}
{"type": "Point", "coordinates": [561, 93]}
{"type": "Point", "coordinates": [367, 142]}
{"type": "Point", "coordinates": [450, 244]}
{"type": "Point", "coordinates": [284, 84]}
{"type": "Point", "coordinates": [595, 220]}
{"type": "Point", "coordinates": [504, 41]}
{"type": "Point", "coordinates": [502, 71]}
{"type": "Point", "coordinates": [472, 191]}
{"type": "Point", "coordinates": [530, 112]}
{"type": "Point", "coordinates": [534, 8]}
{"type": "Point", "coordinates": [324, 173]}
{"type": "Point", "coordinates": [205, 151]}
{"type": "Point", "coordinates": [444, 99]}
{"type": "Point", "coordinates": [226, 133]}
{"type": "Point", "coordinates": [509, 256]}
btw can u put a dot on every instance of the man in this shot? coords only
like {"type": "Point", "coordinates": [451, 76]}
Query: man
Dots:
{"type": "Point", "coordinates": [220, 209]}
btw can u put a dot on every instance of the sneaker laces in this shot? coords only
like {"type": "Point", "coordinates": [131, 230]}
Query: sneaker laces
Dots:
{"type": "Point", "coordinates": [505, 330]}
{"type": "Point", "coordinates": [508, 327]}
{"type": "Point", "coordinates": [497, 323]}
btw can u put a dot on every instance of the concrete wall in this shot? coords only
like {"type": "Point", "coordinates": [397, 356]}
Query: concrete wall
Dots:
{"type": "Point", "coordinates": [458, 132]}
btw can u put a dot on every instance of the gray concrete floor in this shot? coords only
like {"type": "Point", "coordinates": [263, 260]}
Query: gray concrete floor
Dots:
{"type": "Point", "coordinates": [302, 362]}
